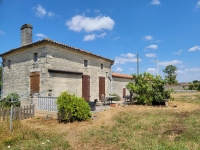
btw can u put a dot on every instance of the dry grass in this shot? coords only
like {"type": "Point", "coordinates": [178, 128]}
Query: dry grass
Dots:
{"type": "Point", "coordinates": [131, 127]}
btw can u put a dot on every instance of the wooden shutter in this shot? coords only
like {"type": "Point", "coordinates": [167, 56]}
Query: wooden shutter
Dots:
{"type": "Point", "coordinates": [101, 86]}
{"type": "Point", "coordinates": [124, 92]}
{"type": "Point", "coordinates": [86, 87]}
{"type": "Point", "coordinates": [35, 82]}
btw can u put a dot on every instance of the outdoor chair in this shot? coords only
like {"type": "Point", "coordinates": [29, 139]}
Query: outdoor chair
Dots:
{"type": "Point", "coordinates": [92, 105]}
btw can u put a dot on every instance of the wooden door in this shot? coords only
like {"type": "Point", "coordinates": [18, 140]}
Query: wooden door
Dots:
{"type": "Point", "coordinates": [35, 82]}
{"type": "Point", "coordinates": [101, 86]}
{"type": "Point", "coordinates": [124, 92]}
{"type": "Point", "coordinates": [86, 87]}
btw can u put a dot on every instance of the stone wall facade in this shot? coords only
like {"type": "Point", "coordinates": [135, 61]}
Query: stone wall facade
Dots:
{"type": "Point", "coordinates": [118, 84]}
{"type": "Point", "coordinates": [64, 59]}
{"type": "Point", "coordinates": [16, 78]}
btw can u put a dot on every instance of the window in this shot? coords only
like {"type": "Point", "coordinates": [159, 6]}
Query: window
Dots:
{"type": "Point", "coordinates": [35, 57]}
{"type": "Point", "coordinates": [9, 64]}
{"type": "Point", "coordinates": [101, 66]}
{"type": "Point", "coordinates": [85, 63]}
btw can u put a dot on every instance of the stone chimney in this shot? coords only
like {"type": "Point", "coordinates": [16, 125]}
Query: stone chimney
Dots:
{"type": "Point", "coordinates": [26, 34]}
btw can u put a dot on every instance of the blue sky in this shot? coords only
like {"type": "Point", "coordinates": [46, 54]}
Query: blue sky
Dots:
{"type": "Point", "coordinates": [167, 30]}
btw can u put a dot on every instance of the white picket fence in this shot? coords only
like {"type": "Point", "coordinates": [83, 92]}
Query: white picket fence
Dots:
{"type": "Point", "coordinates": [47, 103]}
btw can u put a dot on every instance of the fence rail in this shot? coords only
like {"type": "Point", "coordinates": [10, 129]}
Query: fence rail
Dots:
{"type": "Point", "coordinates": [18, 113]}
{"type": "Point", "coordinates": [47, 103]}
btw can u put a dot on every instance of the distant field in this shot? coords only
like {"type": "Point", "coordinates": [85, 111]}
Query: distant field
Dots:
{"type": "Point", "coordinates": [130, 127]}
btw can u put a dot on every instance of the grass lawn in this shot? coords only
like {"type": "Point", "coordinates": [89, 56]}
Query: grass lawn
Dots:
{"type": "Point", "coordinates": [130, 127]}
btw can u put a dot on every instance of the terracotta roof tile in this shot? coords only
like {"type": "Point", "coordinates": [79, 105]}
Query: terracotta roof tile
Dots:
{"type": "Point", "coordinates": [122, 75]}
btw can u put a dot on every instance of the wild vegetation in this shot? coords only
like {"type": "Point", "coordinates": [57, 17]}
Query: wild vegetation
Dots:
{"type": "Point", "coordinates": [11, 99]}
{"type": "Point", "coordinates": [24, 137]}
{"type": "Point", "coordinates": [131, 127]}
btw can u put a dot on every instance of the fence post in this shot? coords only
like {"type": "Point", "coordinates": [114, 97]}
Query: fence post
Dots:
{"type": "Point", "coordinates": [20, 113]}
{"type": "Point", "coordinates": [0, 114]}
{"type": "Point", "coordinates": [33, 111]}
{"type": "Point", "coordinates": [7, 115]}
{"type": "Point", "coordinates": [24, 113]}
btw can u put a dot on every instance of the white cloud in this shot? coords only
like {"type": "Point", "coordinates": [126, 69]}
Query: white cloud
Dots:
{"type": "Point", "coordinates": [124, 58]}
{"type": "Point", "coordinates": [116, 38]}
{"type": "Point", "coordinates": [40, 35]}
{"type": "Point", "coordinates": [192, 70]}
{"type": "Point", "coordinates": [89, 37]}
{"type": "Point", "coordinates": [101, 35]}
{"type": "Point", "coordinates": [119, 69]}
{"type": "Point", "coordinates": [150, 55]}
{"type": "Point", "coordinates": [41, 12]}
{"type": "Point", "coordinates": [173, 62]}
{"type": "Point", "coordinates": [180, 72]}
{"type": "Point", "coordinates": [155, 2]}
{"type": "Point", "coordinates": [151, 70]}
{"type": "Point", "coordinates": [148, 38]}
{"type": "Point", "coordinates": [198, 4]}
{"type": "Point", "coordinates": [181, 66]}
{"type": "Point", "coordinates": [2, 32]}
{"type": "Point", "coordinates": [89, 24]}
{"type": "Point", "coordinates": [129, 55]}
{"type": "Point", "coordinates": [51, 14]}
{"type": "Point", "coordinates": [178, 53]}
{"type": "Point", "coordinates": [195, 48]}
{"type": "Point", "coordinates": [152, 46]}
{"type": "Point", "coordinates": [131, 69]}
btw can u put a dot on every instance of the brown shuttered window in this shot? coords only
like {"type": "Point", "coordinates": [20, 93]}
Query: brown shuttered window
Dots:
{"type": "Point", "coordinates": [101, 86]}
{"type": "Point", "coordinates": [86, 87]}
{"type": "Point", "coordinates": [35, 82]}
{"type": "Point", "coordinates": [124, 92]}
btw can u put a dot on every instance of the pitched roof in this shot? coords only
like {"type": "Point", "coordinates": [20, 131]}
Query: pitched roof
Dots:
{"type": "Point", "coordinates": [126, 76]}
{"type": "Point", "coordinates": [49, 41]}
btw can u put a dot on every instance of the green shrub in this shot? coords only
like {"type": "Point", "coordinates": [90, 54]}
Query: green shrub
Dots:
{"type": "Point", "coordinates": [6, 102]}
{"type": "Point", "coordinates": [72, 108]}
{"type": "Point", "coordinates": [117, 98]}
{"type": "Point", "coordinates": [149, 89]}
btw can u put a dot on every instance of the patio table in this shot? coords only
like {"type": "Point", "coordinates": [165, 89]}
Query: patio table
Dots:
{"type": "Point", "coordinates": [109, 98]}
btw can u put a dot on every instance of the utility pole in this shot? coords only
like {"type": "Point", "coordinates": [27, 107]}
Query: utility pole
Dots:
{"type": "Point", "coordinates": [157, 67]}
{"type": "Point", "coordinates": [137, 64]}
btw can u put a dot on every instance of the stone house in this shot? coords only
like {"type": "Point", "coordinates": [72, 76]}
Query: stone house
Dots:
{"type": "Point", "coordinates": [47, 68]}
{"type": "Point", "coordinates": [119, 82]}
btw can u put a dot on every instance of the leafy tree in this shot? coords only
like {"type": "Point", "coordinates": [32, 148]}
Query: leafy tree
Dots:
{"type": "Point", "coordinates": [170, 74]}
{"type": "Point", "coordinates": [130, 86]}
{"type": "Point", "coordinates": [195, 85]}
{"type": "Point", "coordinates": [149, 89]}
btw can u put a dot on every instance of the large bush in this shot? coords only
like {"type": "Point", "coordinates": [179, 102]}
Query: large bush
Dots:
{"type": "Point", "coordinates": [195, 85]}
{"type": "Point", "coordinates": [72, 108]}
{"type": "Point", "coordinates": [149, 89]}
{"type": "Point", "coordinates": [6, 102]}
